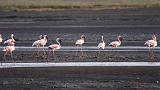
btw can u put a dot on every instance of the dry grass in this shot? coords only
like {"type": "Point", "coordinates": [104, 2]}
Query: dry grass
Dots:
{"type": "Point", "coordinates": [72, 4]}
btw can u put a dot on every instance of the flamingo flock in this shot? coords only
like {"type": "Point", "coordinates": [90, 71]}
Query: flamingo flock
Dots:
{"type": "Point", "coordinates": [42, 41]}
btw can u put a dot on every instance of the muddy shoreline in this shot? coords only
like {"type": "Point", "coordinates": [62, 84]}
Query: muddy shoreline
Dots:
{"type": "Point", "coordinates": [83, 78]}
{"type": "Point", "coordinates": [27, 26]}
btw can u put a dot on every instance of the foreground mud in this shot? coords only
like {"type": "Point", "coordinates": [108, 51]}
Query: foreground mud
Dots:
{"type": "Point", "coordinates": [83, 78]}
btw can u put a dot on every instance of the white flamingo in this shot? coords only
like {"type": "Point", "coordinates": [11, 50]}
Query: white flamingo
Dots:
{"type": "Point", "coordinates": [1, 39]}
{"type": "Point", "coordinates": [102, 44]}
{"type": "Point", "coordinates": [8, 51]}
{"type": "Point", "coordinates": [10, 41]}
{"type": "Point", "coordinates": [41, 42]}
{"type": "Point", "coordinates": [116, 43]}
{"type": "Point", "coordinates": [54, 47]}
{"type": "Point", "coordinates": [151, 44]}
{"type": "Point", "coordinates": [80, 42]}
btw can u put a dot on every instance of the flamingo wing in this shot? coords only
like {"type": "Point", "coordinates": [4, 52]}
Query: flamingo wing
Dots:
{"type": "Point", "coordinates": [101, 45]}
{"type": "Point", "coordinates": [36, 43]}
{"type": "Point", "coordinates": [115, 43]}
{"type": "Point", "coordinates": [151, 43]}
{"type": "Point", "coordinates": [54, 46]}
{"type": "Point", "coordinates": [7, 41]}
{"type": "Point", "coordinates": [42, 42]}
{"type": "Point", "coordinates": [79, 42]}
{"type": "Point", "coordinates": [9, 48]}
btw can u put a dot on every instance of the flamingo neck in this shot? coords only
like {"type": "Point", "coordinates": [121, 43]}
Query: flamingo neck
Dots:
{"type": "Point", "coordinates": [12, 38]}
{"type": "Point", "coordinates": [58, 42]}
{"type": "Point", "coordinates": [102, 40]}
{"type": "Point", "coordinates": [82, 38]}
{"type": "Point", "coordinates": [119, 41]}
{"type": "Point", "coordinates": [154, 39]}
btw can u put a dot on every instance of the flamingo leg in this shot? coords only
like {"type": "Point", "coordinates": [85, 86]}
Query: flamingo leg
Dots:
{"type": "Point", "coordinates": [82, 54]}
{"type": "Point", "coordinates": [149, 53]}
{"type": "Point", "coordinates": [152, 54]}
{"type": "Point", "coordinates": [44, 52]}
{"type": "Point", "coordinates": [81, 50]}
{"type": "Point", "coordinates": [98, 53]}
{"type": "Point", "coordinates": [12, 56]}
{"type": "Point", "coordinates": [35, 53]}
{"type": "Point", "coordinates": [38, 51]}
{"type": "Point", "coordinates": [49, 54]}
{"type": "Point", "coordinates": [77, 50]}
{"type": "Point", "coordinates": [4, 56]}
{"type": "Point", "coordinates": [53, 52]}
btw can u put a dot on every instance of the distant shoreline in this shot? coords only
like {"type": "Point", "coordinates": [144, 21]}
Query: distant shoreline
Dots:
{"type": "Point", "coordinates": [76, 7]}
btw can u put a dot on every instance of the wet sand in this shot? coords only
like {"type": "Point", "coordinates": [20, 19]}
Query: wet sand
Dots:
{"type": "Point", "coordinates": [76, 56]}
{"type": "Point", "coordinates": [135, 25]}
{"type": "Point", "coordinates": [83, 78]}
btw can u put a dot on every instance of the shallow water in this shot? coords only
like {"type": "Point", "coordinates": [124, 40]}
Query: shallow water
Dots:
{"type": "Point", "coordinates": [135, 25]}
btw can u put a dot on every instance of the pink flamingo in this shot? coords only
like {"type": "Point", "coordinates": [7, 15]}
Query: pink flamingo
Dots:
{"type": "Point", "coordinates": [54, 47]}
{"type": "Point", "coordinates": [116, 43]}
{"type": "Point", "coordinates": [10, 41]}
{"type": "Point", "coordinates": [151, 44]}
{"type": "Point", "coordinates": [9, 50]}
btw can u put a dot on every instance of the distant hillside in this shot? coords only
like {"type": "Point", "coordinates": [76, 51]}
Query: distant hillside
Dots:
{"type": "Point", "coordinates": [69, 4]}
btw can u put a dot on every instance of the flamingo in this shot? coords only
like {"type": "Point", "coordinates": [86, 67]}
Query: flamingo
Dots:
{"type": "Point", "coordinates": [10, 41]}
{"type": "Point", "coordinates": [102, 44]}
{"type": "Point", "coordinates": [151, 44]}
{"type": "Point", "coordinates": [44, 41]}
{"type": "Point", "coordinates": [116, 43]}
{"type": "Point", "coordinates": [57, 46]}
{"type": "Point", "coordinates": [9, 50]}
{"type": "Point", "coordinates": [80, 42]}
{"type": "Point", "coordinates": [41, 42]}
{"type": "Point", "coordinates": [1, 39]}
